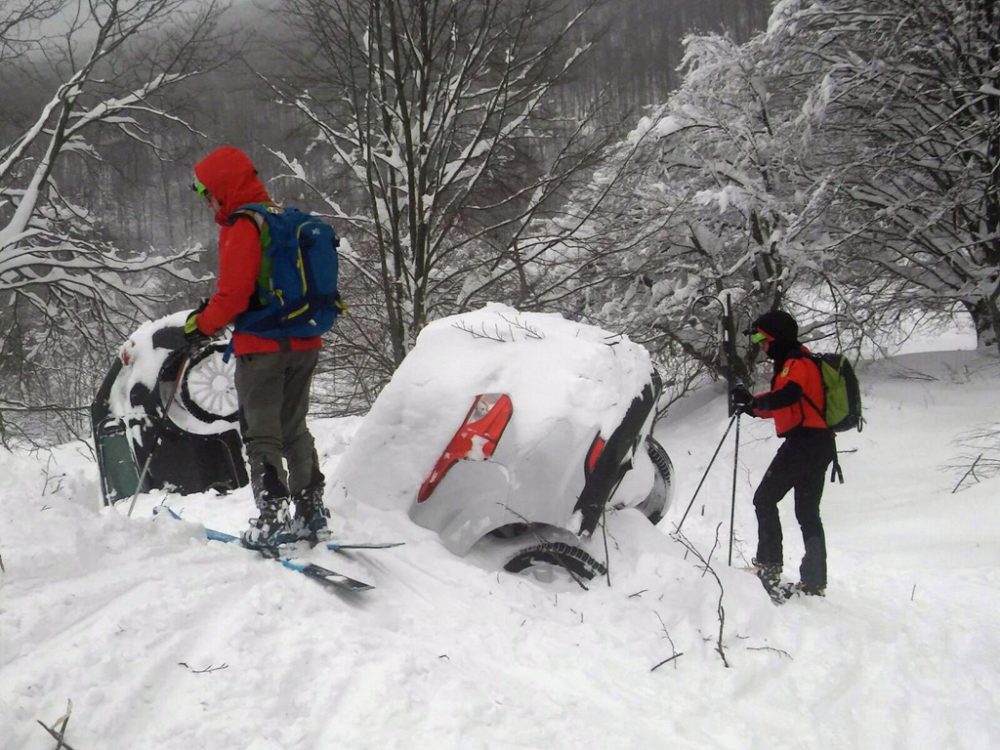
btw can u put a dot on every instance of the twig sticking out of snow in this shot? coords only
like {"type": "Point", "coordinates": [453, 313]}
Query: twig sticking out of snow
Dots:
{"type": "Point", "coordinates": [207, 670]}
{"type": "Point", "coordinates": [686, 543]}
{"type": "Point", "coordinates": [59, 734]}
{"type": "Point", "coordinates": [673, 648]}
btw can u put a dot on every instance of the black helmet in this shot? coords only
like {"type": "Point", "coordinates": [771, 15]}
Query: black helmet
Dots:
{"type": "Point", "coordinates": [779, 324]}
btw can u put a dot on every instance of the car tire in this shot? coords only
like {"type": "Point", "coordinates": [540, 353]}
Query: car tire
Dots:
{"type": "Point", "coordinates": [654, 507]}
{"type": "Point", "coordinates": [566, 556]}
{"type": "Point", "coordinates": [203, 400]}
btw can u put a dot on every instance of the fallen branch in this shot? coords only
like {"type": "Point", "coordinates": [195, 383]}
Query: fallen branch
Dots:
{"type": "Point", "coordinates": [666, 661]}
{"type": "Point", "coordinates": [686, 543]}
{"type": "Point", "coordinates": [770, 648]}
{"type": "Point", "coordinates": [971, 470]}
{"type": "Point", "coordinates": [673, 648]}
{"type": "Point", "coordinates": [58, 735]}
{"type": "Point", "coordinates": [210, 668]}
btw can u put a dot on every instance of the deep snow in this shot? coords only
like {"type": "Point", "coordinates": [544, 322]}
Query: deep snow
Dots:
{"type": "Point", "coordinates": [119, 614]}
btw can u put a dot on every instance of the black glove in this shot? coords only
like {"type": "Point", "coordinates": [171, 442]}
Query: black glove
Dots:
{"type": "Point", "coordinates": [742, 400]}
{"type": "Point", "coordinates": [193, 336]}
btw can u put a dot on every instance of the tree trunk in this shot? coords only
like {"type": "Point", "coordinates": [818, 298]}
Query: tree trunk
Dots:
{"type": "Point", "coordinates": [986, 317]}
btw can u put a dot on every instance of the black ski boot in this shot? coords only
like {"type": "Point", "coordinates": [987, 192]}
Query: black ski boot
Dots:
{"type": "Point", "coordinates": [311, 515]}
{"type": "Point", "coordinates": [273, 526]}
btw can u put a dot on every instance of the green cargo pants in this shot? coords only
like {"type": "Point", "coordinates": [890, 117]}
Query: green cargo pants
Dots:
{"type": "Point", "coordinates": [273, 392]}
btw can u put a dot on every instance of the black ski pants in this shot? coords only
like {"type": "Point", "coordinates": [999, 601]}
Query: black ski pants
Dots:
{"type": "Point", "coordinates": [273, 392]}
{"type": "Point", "coordinates": [800, 465]}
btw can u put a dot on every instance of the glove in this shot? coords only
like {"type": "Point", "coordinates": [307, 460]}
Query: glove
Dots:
{"type": "Point", "coordinates": [193, 337]}
{"type": "Point", "coordinates": [742, 400]}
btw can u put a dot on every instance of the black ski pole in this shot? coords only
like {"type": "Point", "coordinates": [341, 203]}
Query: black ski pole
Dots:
{"type": "Point", "coordinates": [159, 433]}
{"type": "Point", "coordinates": [732, 506]}
{"type": "Point", "coordinates": [703, 476]}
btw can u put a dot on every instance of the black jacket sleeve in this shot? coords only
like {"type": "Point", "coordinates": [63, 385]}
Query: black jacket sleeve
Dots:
{"type": "Point", "coordinates": [788, 395]}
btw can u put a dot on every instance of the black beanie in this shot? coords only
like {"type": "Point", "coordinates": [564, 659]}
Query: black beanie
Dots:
{"type": "Point", "coordinates": [779, 324]}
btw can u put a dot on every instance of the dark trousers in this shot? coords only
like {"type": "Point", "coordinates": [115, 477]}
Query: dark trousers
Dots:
{"type": "Point", "coordinates": [273, 392]}
{"type": "Point", "coordinates": [800, 465]}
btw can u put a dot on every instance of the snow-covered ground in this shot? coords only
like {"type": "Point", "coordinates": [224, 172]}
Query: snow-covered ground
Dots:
{"type": "Point", "coordinates": [164, 641]}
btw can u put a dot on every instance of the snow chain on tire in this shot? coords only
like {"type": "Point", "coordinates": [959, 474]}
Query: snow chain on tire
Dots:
{"type": "Point", "coordinates": [659, 457]}
{"type": "Point", "coordinates": [564, 555]}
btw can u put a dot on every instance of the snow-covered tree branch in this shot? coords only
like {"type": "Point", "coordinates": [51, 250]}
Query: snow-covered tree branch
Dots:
{"type": "Point", "coordinates": [107, 62]}
{"type": "Point", "coordinates": [446, 152]}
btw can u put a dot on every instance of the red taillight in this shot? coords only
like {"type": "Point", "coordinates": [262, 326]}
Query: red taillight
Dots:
{"type": "Point", "coordinates": [596, 449]}
{"type": "Point", "coordinates": [476, 439]}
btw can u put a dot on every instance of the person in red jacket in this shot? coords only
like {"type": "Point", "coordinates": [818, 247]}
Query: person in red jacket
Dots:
{"type": "Point", "coordinates": [795, 403]}
{"type": "Point", "coordinates": [273, 376]}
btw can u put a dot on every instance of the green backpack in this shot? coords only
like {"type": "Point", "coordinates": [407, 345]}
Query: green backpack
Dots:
{"type": "Point", "coordinates": [842, 393]}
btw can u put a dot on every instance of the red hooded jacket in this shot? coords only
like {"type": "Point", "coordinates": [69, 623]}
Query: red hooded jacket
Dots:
{"type": "Point", "coordinates": [231, 178]}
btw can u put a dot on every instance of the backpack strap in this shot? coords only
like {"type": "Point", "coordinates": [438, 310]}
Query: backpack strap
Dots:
{"type": "Point", "coordinates": [836, 473]}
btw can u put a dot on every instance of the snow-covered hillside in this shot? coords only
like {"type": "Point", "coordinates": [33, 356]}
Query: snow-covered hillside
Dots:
{"type": "Point", "coordinates": [164, 641]}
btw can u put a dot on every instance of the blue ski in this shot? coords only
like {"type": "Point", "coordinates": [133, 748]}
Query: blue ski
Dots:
{"type": "Point", "coordinates": [329, 578]}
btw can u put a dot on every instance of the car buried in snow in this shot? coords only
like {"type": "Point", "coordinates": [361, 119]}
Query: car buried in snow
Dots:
{"type": "Point", "coordinates": [172, 409]}
{"type": "Point", "coordinates": [511, 434]}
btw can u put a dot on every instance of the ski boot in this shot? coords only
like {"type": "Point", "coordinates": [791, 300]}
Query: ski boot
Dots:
{"type": "Point", "coordinates": [770, 578]}
{"type": "Point", "coordinates": [271, 528]}
{"type": "Point", "coordinates": [808, 590]}
{"type": "Point", "coordinates": [310, 521]}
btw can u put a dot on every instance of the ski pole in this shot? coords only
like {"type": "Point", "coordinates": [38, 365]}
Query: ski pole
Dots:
{"type": "Point", "coordinates": [732, 506]}
{"type": "Point", "coordinates": [703, 476]}
{"type": "Point", "coordinates": [159, 433]}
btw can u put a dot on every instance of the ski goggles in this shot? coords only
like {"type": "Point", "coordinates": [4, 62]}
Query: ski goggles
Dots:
{"type": "Point", "coordinates": [199, 188]}
{"type": "Point", "coordinates": [760, 337]}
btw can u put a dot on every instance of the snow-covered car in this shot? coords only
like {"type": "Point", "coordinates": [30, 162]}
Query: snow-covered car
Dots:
{"type": "Point", "coordinates": [195, 443]}
{"type": "Point", "coordinates": [516, 428]}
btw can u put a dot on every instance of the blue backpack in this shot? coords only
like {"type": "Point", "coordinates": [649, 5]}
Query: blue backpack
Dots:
{"type": "Point", "coordinates": [296, 294]}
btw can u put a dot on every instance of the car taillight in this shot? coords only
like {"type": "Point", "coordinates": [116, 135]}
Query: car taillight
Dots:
{"type": "Point", "coordinates": [596, 449]}
{"type": "Point", "coordinates": [476, 439]}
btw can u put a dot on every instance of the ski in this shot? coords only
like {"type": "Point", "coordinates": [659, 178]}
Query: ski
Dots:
{"type": "Point", "coordinates": [339, 546]}
{"type": "Point", "coordinates": [328, 578]}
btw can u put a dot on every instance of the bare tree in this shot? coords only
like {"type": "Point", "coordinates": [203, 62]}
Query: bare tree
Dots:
{"type": "Point", "coordinates": [60, 279]}
{"type": "Point", "coordinates": [445, 151]}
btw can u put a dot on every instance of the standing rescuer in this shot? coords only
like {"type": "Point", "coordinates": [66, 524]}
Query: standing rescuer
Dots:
{"type": "Point", "coordinates": [807, 450]}
{"type": "Point", "coordinates": [273, 376]}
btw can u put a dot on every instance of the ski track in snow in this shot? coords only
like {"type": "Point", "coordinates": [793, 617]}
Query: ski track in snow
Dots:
{"type": "Point", "coordinates": [446, 653]}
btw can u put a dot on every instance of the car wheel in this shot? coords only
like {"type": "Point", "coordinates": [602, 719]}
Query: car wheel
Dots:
{"type": "Point", "coordinates": [654, 507]}
{"type": "Point", "coordinates": [558, 554]}
{"type": "Point", "coordinates": [207, 389]}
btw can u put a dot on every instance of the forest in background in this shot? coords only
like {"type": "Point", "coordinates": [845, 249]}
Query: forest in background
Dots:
{"type": "Point", "coordinates": [572, 157]}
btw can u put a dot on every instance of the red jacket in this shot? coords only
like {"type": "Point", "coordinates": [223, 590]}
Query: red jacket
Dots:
{"type": "Point", "coordinates": [786, 403]}
{"type": "Point", "coordinates": [229, 175]}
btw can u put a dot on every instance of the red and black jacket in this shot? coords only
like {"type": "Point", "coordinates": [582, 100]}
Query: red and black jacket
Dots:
{"type": "Point", "coordinates": [796, 398]}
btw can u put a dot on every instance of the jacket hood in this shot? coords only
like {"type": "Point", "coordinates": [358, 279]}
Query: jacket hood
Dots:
{"type": "Point", "coordinates": [229, 175]}
{"type": "Point", "coordinates": [777, 323]}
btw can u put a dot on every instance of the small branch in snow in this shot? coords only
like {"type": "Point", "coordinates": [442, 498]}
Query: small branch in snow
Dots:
{"type": "Point", "coordinates": [207, 670]}
{"type": "Point", "coordinates": [972, 471]}
{"type": "Point", "coordinates": [673, 648]}
{"type": "Point", "coordinates": [482, 333]}
{"type": "Point", "coordinates": [59, 734]}
{"type": "Point", "coordinates": [770, 648]}
{"type": "Point", "coordinates": [2, 568]}
{"type": "Point", "coordinates": [686, 543]}
{"type": "Point", "coordinates": [666, 661]}
{"type": "Point", "coordinates": [528, 331]}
